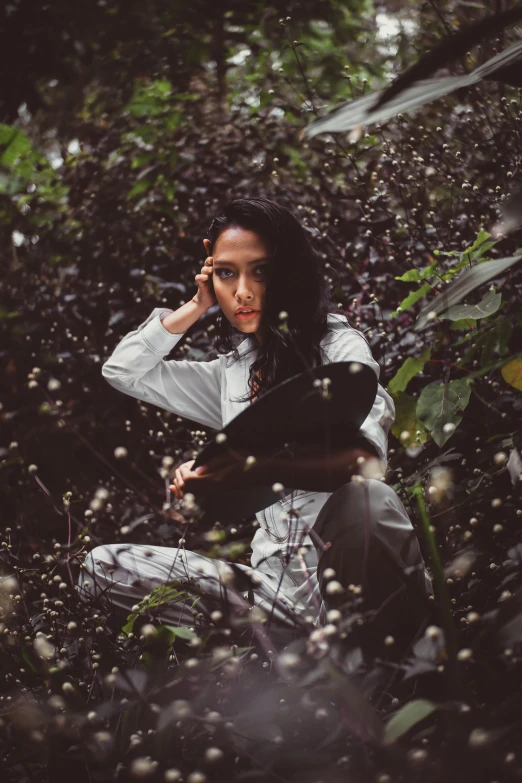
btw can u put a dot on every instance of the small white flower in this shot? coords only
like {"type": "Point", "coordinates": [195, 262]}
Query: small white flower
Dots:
{"type": "Point", "coordinates": [334, 588]}
{"type": "Point", "coordinates": [221, 437]}
{"type": "Point", "coordinates": [213, 754]}
{"type": "Point", "coordinates": [478, 738]}
{"type": "Point", "coordinates": [334, 615]}
{"type": "Point", "coordinates": [148, 631]}
{"type": "Point", "coordinates": [142, 767]}
{"type": "Point", "coordinates": [43, 648]}
{"type": "Point", "coordinates": [120, 452]}
{"type": "Point", "coordinates": [289, 661]}
{"type": "Point", "coordinates": [277, 487]}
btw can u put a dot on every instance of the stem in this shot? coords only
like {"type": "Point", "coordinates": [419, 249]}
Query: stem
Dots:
{"type": "Point", "coordinates": [451, 670]}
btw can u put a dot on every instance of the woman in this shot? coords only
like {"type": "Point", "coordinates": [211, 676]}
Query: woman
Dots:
{"type": "Point", "coordinates": [319, 546]}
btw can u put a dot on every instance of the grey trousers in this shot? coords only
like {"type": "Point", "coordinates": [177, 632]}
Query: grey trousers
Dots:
{"type": "Point", "coordinates": [363, 534]}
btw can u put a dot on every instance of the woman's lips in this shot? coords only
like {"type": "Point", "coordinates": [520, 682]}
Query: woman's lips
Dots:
{"type": "Point", "coordinates": [247, 316]}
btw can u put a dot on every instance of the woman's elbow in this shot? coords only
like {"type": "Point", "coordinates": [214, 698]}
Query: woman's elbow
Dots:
{"type": "Point", "coordinates": [112, 374]}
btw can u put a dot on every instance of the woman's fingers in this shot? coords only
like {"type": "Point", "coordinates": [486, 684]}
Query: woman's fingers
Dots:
{"type": "Point", "coordinates": [179, 478]}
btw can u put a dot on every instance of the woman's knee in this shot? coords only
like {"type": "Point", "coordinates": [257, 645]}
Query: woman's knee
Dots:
{"type": "Point", "coordinates": [98, 557]}
{"type": "Point", "coordinates": [359, 501]}
{"type": "Point", "coordinates": [95, 569]}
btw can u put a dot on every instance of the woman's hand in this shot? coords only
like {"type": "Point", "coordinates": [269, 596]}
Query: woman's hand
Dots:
{"type": "Point", "coordinates": [227, 472]}
{"type": "Point", "coordinates": [205, 296]}
{"type": "Point", "coordinates": [179, 478]}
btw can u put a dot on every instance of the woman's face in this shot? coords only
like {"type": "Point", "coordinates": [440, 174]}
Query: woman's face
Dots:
{"type": "Point", "coordinates": [240, 264]}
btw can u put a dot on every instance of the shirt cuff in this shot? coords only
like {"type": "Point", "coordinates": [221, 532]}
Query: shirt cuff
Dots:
{"type": "Point", "coordinates": [159, 339]}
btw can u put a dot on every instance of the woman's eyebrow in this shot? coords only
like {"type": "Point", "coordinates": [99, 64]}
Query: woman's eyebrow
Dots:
{"type": "Point", "coordinates": [232, 263]}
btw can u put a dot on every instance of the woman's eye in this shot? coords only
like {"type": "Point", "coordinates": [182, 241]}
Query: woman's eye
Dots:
{"type": "Point", "coordinates": [259, 270]}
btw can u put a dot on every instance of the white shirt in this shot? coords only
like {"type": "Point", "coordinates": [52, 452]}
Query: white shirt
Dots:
{"type": "Point", "coordinates": [203, 391]}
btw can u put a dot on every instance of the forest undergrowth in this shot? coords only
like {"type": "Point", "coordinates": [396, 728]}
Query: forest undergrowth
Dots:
{"type": "Point", "coordinates": [397, 216]}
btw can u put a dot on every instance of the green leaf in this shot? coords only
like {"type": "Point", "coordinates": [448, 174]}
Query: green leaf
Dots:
{"type": "Point", "coordinates": [486, 307]}
{"type": "Point", "coordinates": [478, 248]}
{"type": "Point", "coordinates": [16, 144]}
{"type": "Point", "coordinates": [406, 421]}
{"type": "Point", "coordinates": [440, 404]}
{"type": "Point", "coordinates": [464, 284]}
{"type": "Point", "coordinates": [415, 275]}
{"type": "Point", "coordinates": [463, 323]}
{"type": "Point", "coordinates": [409, 369]}
{"type": "Point", "coordinates": [414, 297]}
{"type": "Point", "coordinates": [407, 717]}
{"type": "Point", "coordinates": [167, 593]}
{"type": "Point", "coordinates": [139, 187]}
{"type": "Point", "coordinates": [181, 632]}
{"type": "Point", "coordinates": [10, 185]}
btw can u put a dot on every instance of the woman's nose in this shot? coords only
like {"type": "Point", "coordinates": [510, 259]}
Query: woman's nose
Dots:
{"type": "Point", "coordinates": [244, 289]}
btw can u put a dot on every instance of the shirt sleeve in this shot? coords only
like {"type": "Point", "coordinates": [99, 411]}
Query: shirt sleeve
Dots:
{"type": "Point", "coordinates": [191, 389]}
{"type": "Point", "coordinates": [346, 344]}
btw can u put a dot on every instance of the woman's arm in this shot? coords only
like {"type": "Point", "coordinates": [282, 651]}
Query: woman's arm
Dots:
{"type": "Point", "coordinates": [188, 388]}
{"type": "Point", "coordinates": [322, 473]}
{"type": "Point", "coordinates": [346, 344]}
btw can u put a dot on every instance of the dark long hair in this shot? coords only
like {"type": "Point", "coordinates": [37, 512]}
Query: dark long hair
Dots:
{"type": "Point", "coordinates": [295, 285]}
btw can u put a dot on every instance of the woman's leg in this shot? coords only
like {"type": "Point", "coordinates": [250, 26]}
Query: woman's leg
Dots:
{"type": "Point", "coordinates": [125, 574]}
{"type": "Point", "coordinates": [373, 544]}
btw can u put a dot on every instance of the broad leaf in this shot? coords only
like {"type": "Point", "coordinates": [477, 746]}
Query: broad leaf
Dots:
{"type": "Point", "coordinates": [440, 404]}
{"type": "Point", "coordinates": [409, 369]}
{"type": "Point", "coordinates": [414, 297]}
{"type": "Point", "coordinates": [366, 110]}
{"type": "Point", "coordinates": [512, 373]}
{"type": "Point", "coordinates": [464, 284]}
{"type": "Point", "coordinates": [406, 421]}
{"type": "Point", "coordinates": [181, 632]}
{"type": "Point", "coordinates": [451, 47]}
{"type": "Point", "coordinates": [355, 700]}
{"type": "Point", "coordinates": [463, 323]}
{"type": "Point", "coordinates": [407, 717]}
{"type": "Point", "coordinates": [483, 309]}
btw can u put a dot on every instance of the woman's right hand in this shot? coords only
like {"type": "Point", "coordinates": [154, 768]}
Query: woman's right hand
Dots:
{"type": "Point", "coordinates": [179, 478]}
{"type": "Point", "coordinates": [205, 296]}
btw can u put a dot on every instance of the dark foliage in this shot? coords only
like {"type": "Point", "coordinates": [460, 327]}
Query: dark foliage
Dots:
{"type": "Point", "coordinates": [116, 231]}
